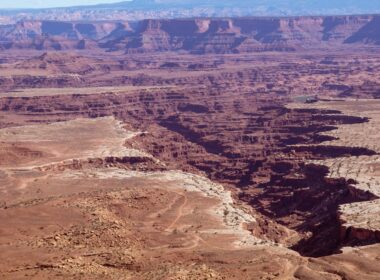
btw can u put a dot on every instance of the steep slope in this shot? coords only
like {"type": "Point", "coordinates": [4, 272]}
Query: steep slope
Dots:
{"type": "Point", "coordinates": [229, 35]}
{"type": "Point", "coordinates": [53, 35]}
{"type": "Point", "coordinates": [369, 33]}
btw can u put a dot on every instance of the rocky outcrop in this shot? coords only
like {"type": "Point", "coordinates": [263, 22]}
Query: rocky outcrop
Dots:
{"type": "Point", "coordinates": [359, 236]}
{"type": "Point", "coordinates": [369, 33]}
{"type": "Point", "coordinates": [360, 224]}
{"type": "Point", "coordinates": [137, 163]}
{"type": "Point", "coordinates": [256, 147]}
{"type": "Point", "coordinates": [194, 35]}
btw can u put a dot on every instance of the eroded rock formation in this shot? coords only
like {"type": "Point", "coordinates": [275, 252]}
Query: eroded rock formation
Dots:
{"type": "Point", "coordinates": [255, 146]}
{"type": "Point", "coordinates": [194, 35]}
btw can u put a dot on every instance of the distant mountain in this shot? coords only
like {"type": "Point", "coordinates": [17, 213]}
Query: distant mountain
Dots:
{"type": "Point", "coordinates": [159, 9]}
{"type": "Point", "coordinates": [293, 6]}
{"type": "Point", "coordinates": [309, 6]}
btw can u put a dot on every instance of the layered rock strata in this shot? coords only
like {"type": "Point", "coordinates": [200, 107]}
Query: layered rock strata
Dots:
{"type": "Point", "coordinates": [230, 35]}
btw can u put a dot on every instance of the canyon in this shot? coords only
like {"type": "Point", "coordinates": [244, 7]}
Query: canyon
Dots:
{"type": "Point", "coordinates": [196, 36]}
{"type": "Point", "coordinates": [242, 148]}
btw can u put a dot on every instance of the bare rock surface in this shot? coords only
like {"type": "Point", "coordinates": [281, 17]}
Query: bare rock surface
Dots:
{"type": "Point", "coordinates": [360, 221]}
{"type": "Point", "coordinates": [199, 36]}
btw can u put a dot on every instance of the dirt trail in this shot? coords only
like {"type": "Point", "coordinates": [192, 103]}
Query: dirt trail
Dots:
{"type": "Point", "coordinates": [179, 213]}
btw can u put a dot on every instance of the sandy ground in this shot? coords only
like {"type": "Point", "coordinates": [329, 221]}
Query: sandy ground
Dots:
{"type": "Point", "coordinates": [60, 142]}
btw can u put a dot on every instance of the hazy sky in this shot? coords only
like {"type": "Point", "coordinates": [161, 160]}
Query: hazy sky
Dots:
{"type": "Point", "coordinates": [337, 5]}
{"type": "Point", "coordinates": [49, 3]}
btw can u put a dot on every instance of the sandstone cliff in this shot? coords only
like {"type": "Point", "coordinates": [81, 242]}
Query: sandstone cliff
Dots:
{"type": "Point", "coordinates": [227, 35]}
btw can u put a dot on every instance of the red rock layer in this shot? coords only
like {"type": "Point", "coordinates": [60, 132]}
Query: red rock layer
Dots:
{"type": "Point", "coordinates": [194, 35]}
{"type": "Point", "coordinates": [238, 139]}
